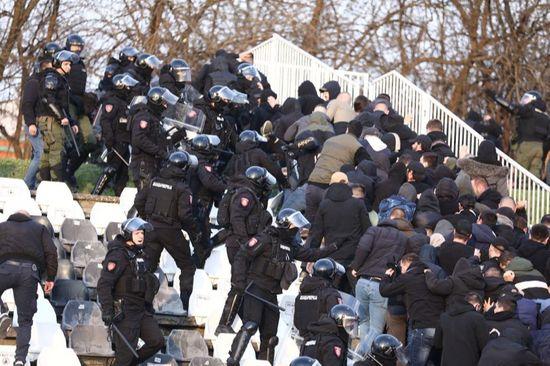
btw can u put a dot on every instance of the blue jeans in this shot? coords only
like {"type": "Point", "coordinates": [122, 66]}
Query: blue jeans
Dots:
{"type": "Point", "coordinates": [37, 147]}
{"type": "Point", "coordinates": [373, 320]}
{"type": "Point", "coordinates": [295, 199]}
{"type": "Point", "coordinates": [420, 342]}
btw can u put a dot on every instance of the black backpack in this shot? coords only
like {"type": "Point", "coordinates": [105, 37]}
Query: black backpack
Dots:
{"type": "Point", "coordinates": [224, 219]}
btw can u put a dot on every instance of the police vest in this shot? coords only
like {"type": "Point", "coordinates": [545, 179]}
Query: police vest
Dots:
{"type": "Point", "coordinates": [136, 280]}
{"type": "Point", "coordinates": [162, 201]}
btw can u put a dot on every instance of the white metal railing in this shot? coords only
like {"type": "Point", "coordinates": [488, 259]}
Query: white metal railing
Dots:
{"type": "Point", "coordinates": [286, 66]}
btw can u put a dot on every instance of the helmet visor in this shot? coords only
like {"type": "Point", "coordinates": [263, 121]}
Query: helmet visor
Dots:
{"type": "Point", "coordinates": [340, 269]}
{"type": "Point", "coordinates": [213, 139]}
{"type": "Point", "coordinates": [135, 224]}
{"type": "Point", "coordinates": [129, 51]}
{"type": "Point", "coordinates": [65, 55]}
{"type": "Point", "coordinates": [139, 99]}
{"type": "Point", "coordinates": [169, 98]}
{"type": "Point", "coordinates": [182, 75]}
{"type": "Point", "coordinates": [351, 325]}
{"type": "Point", "coordinates": [527, 98]}
{"type": "Point", "coordinates": [193, 161]}
{"type": "Point", "coordinates": [401, 355]}
{"type": "Point", "coordinates": [298, 220]}
{"type": "Point", "coordinates": [226, 94]}
{"type": "Point", "coordinates": [239, 98]}
{"type": "Point", "coordinates": [250, 72]}
{"type": "Point", "coordinates": [153, 62]}
{"type": "Point", "coordinates": [270, 179]}
{"type": "Point", "coordinates": [128, 81]}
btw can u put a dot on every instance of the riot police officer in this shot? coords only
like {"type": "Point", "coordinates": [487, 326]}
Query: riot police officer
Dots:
{"type": "Point", "coordinates": [126, 58]}
{"type": "Point", "coordinates": [52, 114]}
{"type": "Point", "coordinates": [145, 64]}
{"type": "Point", "coordinates": [50, 49]}
{"type": "Point", "coordinates": [248, 153]}
{"type": "Point", "coordinates": [249, 81]}
{"type": "Point", "coordinates": [317, 294]}
{"type": "Point", "coordinates": [385, 351]}
{"type": "Point", "coordinates": [328, 337]}
{"type": "Point", "coordinates": [176, 77]}
{"type": "Point", "coordinates": [305, 361]}
{"type": "Point", "coordinates": [270, 256]}
{"type": "Point", "coordinates": [167, 204]}
{"type": "Point", "coordinates": [114, 126]}
{"type": "Point", "coordinates": [242, 214]}
{"type": "Point", "coordinates": [148, 138]}
{"type": "Point", "coordinates": [205, 182]}
{"type": "Point", "coordinates": [125, 291]}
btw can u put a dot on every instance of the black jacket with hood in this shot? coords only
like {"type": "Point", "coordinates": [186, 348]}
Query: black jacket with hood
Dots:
{"type": "Point", "coordinates": [290, 113]}
{"type": "Point", "coordinates": [308, 97]}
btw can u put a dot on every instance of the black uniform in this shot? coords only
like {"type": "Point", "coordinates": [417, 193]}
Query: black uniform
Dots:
{"type": "Point", "coordinates": [316, 298]}
{"type": "Point", "coordinates": [127, 285]}
{"type": "Point", "coordinates": [186, 91]}
{"type": "Point", "coordinates": [271, 256]}
{"type": "Point", "coordinates": [326, 342]}
{"type": "Point", "coordinates": [148, 145]}
{"type": "Point", "coordinates": [114, 127]}
{"type": "Point", "coordinates": [26, 249]}
{"type": "Point", "coordinates": [167, 204]}
{"type": "Point", "coordinates": [217, 123]}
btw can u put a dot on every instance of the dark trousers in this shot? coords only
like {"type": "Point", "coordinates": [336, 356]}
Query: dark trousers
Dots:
{"type": "Point", "coordinates": [174, 242]}
{"type": "Point", "coordinates": [143, 169]}
{"type": "Point", "coordinates": [314, 196]}
{"type": "Point", "coordinates": [265, 316]}
{"type": "Point", "coordinates": [121, 169]}
{"type": "Point", "coordinates": [23, 279]}
{"type": "Point", "coordinates": [137, 324]}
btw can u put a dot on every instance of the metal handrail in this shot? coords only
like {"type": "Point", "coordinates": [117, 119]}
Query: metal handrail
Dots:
{"type": "Point", "coordinates": [287, 65]}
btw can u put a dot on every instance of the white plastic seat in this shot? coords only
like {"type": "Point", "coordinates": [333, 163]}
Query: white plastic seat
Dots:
{"type": "Point", "coordinates": [201, 297]}
{"type": "Point", "coordinates": [48, 193]}
{"type": "Point", "coordinates": [103, 213]}
{"type": "Point", "coordinates": [7, 355]}
{"type": "Point", "coordinates": [160, 359]}
{"type": "Point", "coordinates": [12, 188]}
{"type": "Point", "coordinates": [46, 335]}
{"type": "Point", "coordinates": [57, 356]}
{"type": "Point", "coordinates": [217, 265]}
{"type": "Point", "coordinates": [250, 362]}
{"type": "Point", "coordinates": [167, 301]}
{"type": "Point", "coordinates": [214, 310]}
{"type": "Point", "coordinates": [8, 300]}
{"type": "Point", "coordinates": [184, 345]}
{"type": "Point", "coordinates": [90, 340]}
{"type": "Point", "coordinates": [127, 198]}
{"type": "Point", "coordinates": [14, 204]}
{"type": "Point", "coordinates": [206, 361]}
{"type": "Point", "coordinates": [58, 211]}
{"type": "Point", "coordinates": [222, 346]}
{"type": "Point", "coordinates": [45, 313]}
{"type": "Point", "coordinates": [168, 265]}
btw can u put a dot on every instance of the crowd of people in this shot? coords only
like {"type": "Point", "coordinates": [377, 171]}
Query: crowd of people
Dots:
{"type": "Point", "coordinates": [432, 246]}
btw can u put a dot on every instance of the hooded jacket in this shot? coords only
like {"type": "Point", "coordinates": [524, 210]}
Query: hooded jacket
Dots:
{"type": "Point", "coordinates": [466, 277]}
{"type": "Point", "coordinates": [537, 253]}
{"type": "Point", "coordinates": [462, 335]}
{"type": "Point", "coordinates": [390, 186]}
{"type": "Point", "coordinates": [341, 219]}
{"type": "Point", "coordinates": [495, 175]}
{"type": "Point", "coordinates": [290, 113]}
{"type": "Point", "coordinates": [358, 176]}
{"type": "Point", "coordinates": [450, 253]}
{"type": "Point", "coordinates": [528, 279]}
{"type": "Point", "coordinates": [308, 97]}
{"type": "Point", "coordinates": [440, 146]}
{"type": "Point", "coordinates": [508, 350]}
{"type": "Point", "coordinates": [482, 236]}
{"type": "Point", "coordinates": [507, 320]}
{"type": "Point", "coordinates": [333, 88]}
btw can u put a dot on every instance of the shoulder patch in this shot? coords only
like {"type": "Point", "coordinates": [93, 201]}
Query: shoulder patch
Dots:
{"type": "Point", "coordinates": [208, 168]}
{"type": "Point", "coordinates": [111, 266]}
{"type": "Point", "coordinates": [143, 124]}
{"type": "Point", "coordinates": [108, 108]}
{"type": "Point", "coordinates": [253, 241]}
{"type": "Point", "coordinates": [337, 351]}
{"type": "Point", "coordinates": [244, 201]}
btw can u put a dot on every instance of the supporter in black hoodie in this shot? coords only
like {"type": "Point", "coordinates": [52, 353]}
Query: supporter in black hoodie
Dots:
{"type": "Point", "coordinates": [536, 249]}
{"type": "Point", "coordinates": [290, 113]}
{"type": "Point", "coordinates": [308, 98]}
{"type": "Point", "coordinates": [387, 187]}
{"type": "Point", "coordinates": [508, 350]}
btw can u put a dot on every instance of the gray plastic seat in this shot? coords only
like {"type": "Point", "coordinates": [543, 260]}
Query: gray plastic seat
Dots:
{"type": "Point", "coordinates": [112, 230]}
{"type": "Point", "coordinates": [73, 230]}
{"type": "Point", "coordinates": [91, 274]}
{"type": "Point", "coordinates": [85, 252]}
{"type": "Point", "coordinates": [206, 361]}
{"type": "Point", "coordinates": [184, 345]}
{"type": "Point", "coordinates": [80, 313]}
{"type": "Point", "coordinates": [61, 253]}
{"type": "Point", "coordinates": [168, 302]}
{"type": "Point", "coordinates": [160, 359]}
{"type": "Point", "coordinates": [91, 340]}
{"type": "Point", "coordinates": [65, 270]}
{"type": "Point", "coordinates": [67, 290]}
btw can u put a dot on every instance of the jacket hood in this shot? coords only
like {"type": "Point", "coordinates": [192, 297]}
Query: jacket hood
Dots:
{"type": "Point", "coordinates": [311, 284]}
{"type": "Point", "coordinates": [318, 118]}
{"type": "Point", "coordinates": [244, 146]}
{"type": "Point", "coordinates": [408, 191]}
{"type": "Point", "coordinates": [479, 169]}
{"type": "Point", "coordinates": [417, 267]}
{"type": "Point", "coordinates": [325, 325]}
{"type": "Point", "coordinates": [291, 105]}
{"type": "Point", "coordinates": [493, 283]}
{"type": "Point", "coordinates": [437, 136]}
{"type": "Point", "coordinates": [19, 217]}
{"type": "Point", "coordinates": [389, 223]}
{"type": "Point", "coordinates": [307, 88]}
{"type": "Point", "coordinates": [460, 308]}
{"type": "Point", "coordinates": [368, 167]}
{"type": "Point", "coordinates": [339, 192]}
{"type": "Point", "coordinates": [169, 172]}
{"type": "Point", "coordinates": [403, 225]}
{"type": "Point", "coordinates": [520, 264]}
{"type": "Point", "coordinates": [398, 173]}
{"type": "Point", "coordinates": [487, 153]}
{"type": "Point", "coordinates": [482, 233]}
{"type": "Point", "coordinates": [333, 88]}
{"type": "Point", "coordinates": [428, 202]}
{"type": "Point", "coordinates": [470, 275]}
{"type": "Point", "coordinates": [529, 247]}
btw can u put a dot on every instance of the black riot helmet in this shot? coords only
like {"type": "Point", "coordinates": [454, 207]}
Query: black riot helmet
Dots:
{"type": "Point", "coordinates": [63, 56]}
{"type": "Point", "coordinates": [386, 346]}
{"type": "Point", "coordinates": [327, 268]}
{"type": "Point", "coordinates": [345, 317]}
{"type": "Point", "coordinates": [128, 55]}
{"type": "Point", "coordinates": [74, 40]}
{"type": "Point", "coordinates": [134, 224]}
{"type": "Point", "coordinates": [535, 98]}
{"type": "Point", "coordinates": [248, 71]}
{"type": "Point", "coordinates": [160, 96]}
{"type": "Point", "coordinates": [305, 361]}
{"type": "Point", "coordinates": [260, 177]}
{"type": "Point", "coordinates": [182, 160]}
{"type": "Point", "coordinates": [110, 71]}
{"type": "Point", "coordinates": [147, 61]}
{"type": "Point", "coordinates": [290, 217]}
{"type": "Point", "coordinates": [205, 143]}
{"type": "Point", "coordinates": [251, 136]}
{"type": "Point", "coordinates": [180, 70]}
{"type": "Point", "coordinates": [50, 49]}
{"type": "Point", "coordinates": [124, 81]}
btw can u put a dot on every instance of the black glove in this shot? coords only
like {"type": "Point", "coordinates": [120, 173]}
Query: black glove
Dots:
{"type": "Point", "coordinates": [107, 318]}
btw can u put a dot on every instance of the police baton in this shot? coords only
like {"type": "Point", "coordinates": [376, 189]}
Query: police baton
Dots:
{"type": "Point", "coordinates": [70, 133]}
{"type": "Point", "coordinates": [120, 156]}
{"type": "Point", "coordinates": [268, 303]}
{"type": "Point", "coordinates": [124, 340]}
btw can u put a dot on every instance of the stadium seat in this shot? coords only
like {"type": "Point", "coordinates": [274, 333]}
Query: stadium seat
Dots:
{"type": "Point", "coordinates": [65, 270]}
{"type": "Point", "coordinates": [14, 204]}
{"type": "Point", "coordinates": [80, 313]}
{"type": "Point", "coordinates": [112, 230]}
{"type": "Point", "coordinates": [66, 290]}
{"type": "Point", "coordinates": [103, 213]}
{"type": "Point", "coordinates": [168, 265]}
{"type": "Point", "coordinates": [8, 300]}
{"type": "Point", "coordinates": [61, 253]}
{"type": "Point", "coordinates": [184, 345]}
{"type": "Point", "coordinates": [86, 251]}
{"type": "Point", "coordinates": [12, 188]}
{"type": "Point", "coordinates": [287, 349]}
{"type": "Point", "coordinates": [3, 217]}
{"type": "Point", "coordinates": [58, 211]}
{"type": "Point", "coordinates": [57, 356]}
{"type": "Point", "coordinates": [91, 340]}
{"type": "Point", "coordinates": [48, 193]}
{"type": "Point", "coordinates": [91, 274]}
{"type": "Point", "coordinates": [46, 222]}
{"type": "Point", "coordinates": [127, 198]}
{"type": "Point", "coordinates": [162, 277]}
{"type": "Point", "coordinates": [222, 346]}
{"type": "Point", "coordinates": [167, 301]}
{"type": "Point", "coordinates": [74, 230]}
{"type": "Point", "coordinates": [160, 359]}
{"type": "Point", "coordinates": [206, 361]}
{"type": "Point", "coordinates": [45, 335]}
{"type": "Point", "coordinates": [45, 313]}
{"type": "Point", "coordinates": [217, 265]}
{"type": "Point", "coordinates": [215, 309]}
{"type": "Point", "coordinates": [201, 297]}
{"type": "Point", "coordinates": [7, 355]}
{"type": "Point", "coordinates": [250, 362]}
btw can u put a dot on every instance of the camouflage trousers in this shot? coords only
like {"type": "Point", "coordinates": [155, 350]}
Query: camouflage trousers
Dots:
{"type": "Point", "coordinates": [54, 138]}
{"type": "Point", "coordinates": [529, 155]}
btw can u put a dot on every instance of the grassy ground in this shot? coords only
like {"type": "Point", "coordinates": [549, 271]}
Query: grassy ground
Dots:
{"type": "Point", "coordinates": [86, 176]}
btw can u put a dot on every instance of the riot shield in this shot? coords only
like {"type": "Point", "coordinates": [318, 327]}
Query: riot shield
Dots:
{"type": "Point", "coordinates": [182, 116]}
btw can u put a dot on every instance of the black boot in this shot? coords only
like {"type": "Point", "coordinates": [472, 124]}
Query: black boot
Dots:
{"type": "Point", "coordinates": [240, 342]}
{"type": "Point", "coordinates": [184, 296]}
{"type": "Point", "coordinates": [229, 313]}
{"type": "Point", "coordinates": [273, 342]}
